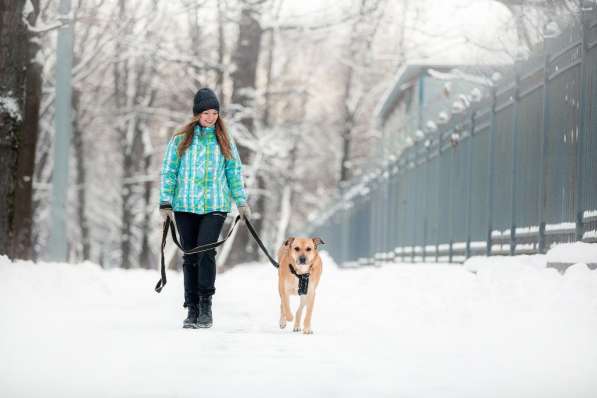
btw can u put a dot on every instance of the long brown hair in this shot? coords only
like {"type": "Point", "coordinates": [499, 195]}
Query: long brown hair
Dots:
{"type": "Point", "coordinates": [221, 135]}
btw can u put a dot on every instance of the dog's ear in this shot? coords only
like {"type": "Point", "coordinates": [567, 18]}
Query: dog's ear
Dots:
{"type": "Point", "coordinates": [288, 241]}
{"type": "Point", "coordinates": [318, 241]}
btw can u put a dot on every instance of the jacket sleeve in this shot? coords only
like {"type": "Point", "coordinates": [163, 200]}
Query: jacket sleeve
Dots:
{"type": "Point", "coordinates": [169, 172]}
{"type": "Point", "coordinates": [234, 176]}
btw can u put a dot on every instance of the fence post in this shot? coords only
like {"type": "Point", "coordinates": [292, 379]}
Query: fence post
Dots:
{"type": "Point", "coordinates": [425, 201]}
{"type": "Point", "coordinates": [491, 171]}
{"type": "Point", "coordinates": [515, 105]}
{"type": "Point", "coordinates": [581, 134]}
{"type": "Point", "coordinates": [439, 194]}
{"type": "Point", "coordinates": [414, 204]}
{"type": "Point", "coordinates": [469, 185]}
{"type": "Point", "coordinates": [450, 203]}
{"type": "Point", "coordinates": [403, 164]}
{"type": "Point", "coordinates": [543, 150]}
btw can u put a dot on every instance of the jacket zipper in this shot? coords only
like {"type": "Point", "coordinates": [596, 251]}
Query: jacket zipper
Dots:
{"type": "Point", "coordinates": [205, 179]}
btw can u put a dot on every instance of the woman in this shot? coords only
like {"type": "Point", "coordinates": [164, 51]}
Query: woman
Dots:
{"type": "Point", "coordinates": [201, 174]}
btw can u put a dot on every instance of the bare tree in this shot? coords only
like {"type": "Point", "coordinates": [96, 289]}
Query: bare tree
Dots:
{"type": "Point", "coordinates": [362, 33]}
{"type": "Point", "coordinates": [244, 77]}
{"type": "Point", "coordinates": [20, 91]}
{"type": "Point", "coordinates": [550, 9]}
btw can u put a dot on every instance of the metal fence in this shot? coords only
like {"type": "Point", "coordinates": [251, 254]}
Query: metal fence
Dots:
{"type": "Point", "coordinates": [514, 173]}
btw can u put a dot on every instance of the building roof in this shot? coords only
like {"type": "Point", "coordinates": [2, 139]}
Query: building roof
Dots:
{"type": "Point", "coordinates": [409, 72]}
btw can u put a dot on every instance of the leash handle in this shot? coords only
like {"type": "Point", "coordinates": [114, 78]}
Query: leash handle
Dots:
{"type": "Point", "coordinates": [162, 282]}
{"type": "Point", "coordinates": [169, 225]}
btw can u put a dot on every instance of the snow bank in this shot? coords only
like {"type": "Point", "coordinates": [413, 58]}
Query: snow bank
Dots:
{"type": "Point", "coordinates": [505, 263]}
{"type": "Point", "coordinates": [577, 252]}
{"type": "Point", "coordinates": [513, 329]}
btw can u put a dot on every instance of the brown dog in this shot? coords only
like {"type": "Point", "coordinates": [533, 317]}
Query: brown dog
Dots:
{"type": "Point", "coordinates": [302, 255]}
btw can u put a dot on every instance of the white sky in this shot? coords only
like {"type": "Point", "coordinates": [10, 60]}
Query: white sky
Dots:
{"type": "Point", "coordinates": [440, 28]}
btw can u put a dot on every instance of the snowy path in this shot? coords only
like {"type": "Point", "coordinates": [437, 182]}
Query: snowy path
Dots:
{"type": "Point", "coordinates": [398, 331]}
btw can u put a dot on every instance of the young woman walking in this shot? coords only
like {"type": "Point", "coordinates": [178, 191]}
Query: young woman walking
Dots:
{"type": "Point", "coordinates": [201, 175]}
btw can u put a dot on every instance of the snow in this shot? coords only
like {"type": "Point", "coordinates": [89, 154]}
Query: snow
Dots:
{"type": "Point", "coordinates": [9, 104]}
{"type": "Point", "coordinates": [576, 252]}
{"type": "Point", "coordinates": [457, 74]}
{"type": "Point", "coordinates": [28, 9]}
{"type": "Point", "coordinates": [512, 329]}
{"type": "Point", "coordinates": [565, 226]}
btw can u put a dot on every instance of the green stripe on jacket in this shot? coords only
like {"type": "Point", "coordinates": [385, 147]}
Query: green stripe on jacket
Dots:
{"type": "Point", "coordinates": [202, 180]}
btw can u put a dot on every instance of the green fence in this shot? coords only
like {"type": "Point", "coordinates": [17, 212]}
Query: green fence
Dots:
{"type": "Point", "coordinates": [514, 173]}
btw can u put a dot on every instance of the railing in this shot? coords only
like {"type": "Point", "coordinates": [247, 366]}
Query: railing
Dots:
{"type": "Point", "coordinates": [514, 173]}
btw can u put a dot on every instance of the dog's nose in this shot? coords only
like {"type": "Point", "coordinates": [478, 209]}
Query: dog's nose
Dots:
{"type": "Point", "coordinates": [302, 259]}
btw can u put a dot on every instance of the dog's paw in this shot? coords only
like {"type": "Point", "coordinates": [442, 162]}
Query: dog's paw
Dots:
{"type": "Point", "coordinates": [296, 329]}
{"type": "Point", "coordinates": [307, 331]}
{"type": "Point", "coordinates": [282, 324]}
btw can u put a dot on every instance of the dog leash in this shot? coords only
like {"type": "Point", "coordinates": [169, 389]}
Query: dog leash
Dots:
{"type": "Point", "coordinates": [303, 278]}
{"type": "Point", "coordinates": [169, 225]}
{"type": "Point", "coordinates": [260, 243]}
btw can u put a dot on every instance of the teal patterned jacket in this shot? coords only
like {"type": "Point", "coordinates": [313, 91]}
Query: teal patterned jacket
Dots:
{"type": "Point", "coordinates": [202, 180]}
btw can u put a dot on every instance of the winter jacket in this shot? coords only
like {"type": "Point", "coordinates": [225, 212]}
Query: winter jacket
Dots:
{"type": "Point", "coordinates": [202, 180]}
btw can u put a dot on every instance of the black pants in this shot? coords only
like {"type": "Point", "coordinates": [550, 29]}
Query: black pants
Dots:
{"type": "Point", "coordinates": [199, 269]}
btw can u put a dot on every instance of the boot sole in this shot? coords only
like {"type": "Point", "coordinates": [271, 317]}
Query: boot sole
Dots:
{"type": "Point", "coordinates": [193, 326]}
{"type": "Point", "coordinates": [204, 326]}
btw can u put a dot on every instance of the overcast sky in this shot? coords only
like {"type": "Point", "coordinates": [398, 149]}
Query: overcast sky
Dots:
{"type": "Point", "coordinates": [442, 27]}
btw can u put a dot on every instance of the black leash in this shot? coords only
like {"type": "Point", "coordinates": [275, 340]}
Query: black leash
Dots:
{"type": "Point", "coordinates": [303, 278]}
{"type": "Point", "coordinates": [260, 243]}
{"type": "Point", "coordinates": [169, 225]}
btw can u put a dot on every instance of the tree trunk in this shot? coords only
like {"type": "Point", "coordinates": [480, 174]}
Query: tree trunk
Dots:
{"type": "Point", "coordinates": [147, 257]}
{"type": "Point", "coordinates": [22, 243]}
{"type": "Point", "coordinates": [14, 62]}
{"type": "Point", "coordinates": [121, 82]}
{"type": "Point", "coordinates": [245, 58]}
{"type": "Point", "coordinates": [244, 78]}
{"type": "Point", "coordinates": [81, 178]}
{"type": "Point", "coordinates": [221, 51]}
{"type": "Point", "coordinates": [346, 128]}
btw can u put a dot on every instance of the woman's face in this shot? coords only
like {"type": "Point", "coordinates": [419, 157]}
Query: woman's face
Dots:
{"type": "Point", "coordinates": [208, 118]}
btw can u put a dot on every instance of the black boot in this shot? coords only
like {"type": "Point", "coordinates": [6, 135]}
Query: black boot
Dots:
{"type": "Point", "coordinates": [205, 319]}
{"type": "Point", "coordinates": [191, 321]}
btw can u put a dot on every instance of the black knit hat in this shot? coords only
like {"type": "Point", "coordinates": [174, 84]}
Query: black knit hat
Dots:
{"type": "Point", "coordinates": [205, 99]}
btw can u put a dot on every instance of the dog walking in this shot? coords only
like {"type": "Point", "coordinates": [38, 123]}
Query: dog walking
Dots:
{"type": "Point", "coordinates": [200, 177]}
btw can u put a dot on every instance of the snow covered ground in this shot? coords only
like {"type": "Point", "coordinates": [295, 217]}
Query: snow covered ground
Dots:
{"type": "Point", "coordinates": [513, 329]}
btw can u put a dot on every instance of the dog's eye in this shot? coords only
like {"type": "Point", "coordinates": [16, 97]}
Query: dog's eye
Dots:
{"type": "Point", "coordinates": [296, 249]}
{"type": "Point", "coordinates": [308, 249]}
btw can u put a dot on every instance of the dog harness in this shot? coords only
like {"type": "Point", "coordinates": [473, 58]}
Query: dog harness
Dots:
{"type": "Point", "coordinates": [303, 280]}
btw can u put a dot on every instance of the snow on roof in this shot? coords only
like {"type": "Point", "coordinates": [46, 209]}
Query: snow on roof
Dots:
{"type": "Point", "coordinates": [408, 72]}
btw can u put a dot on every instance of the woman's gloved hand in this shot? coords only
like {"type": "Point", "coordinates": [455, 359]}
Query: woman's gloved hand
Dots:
{"type": "Point", "coordinates": [245, 212]}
